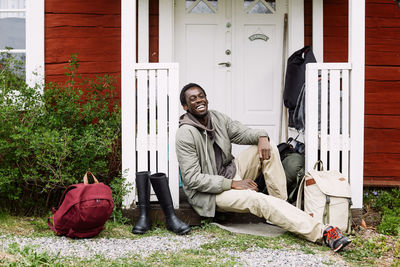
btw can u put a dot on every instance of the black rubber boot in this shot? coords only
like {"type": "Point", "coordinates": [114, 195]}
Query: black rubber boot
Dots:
{"type": "Point", "coordinates": [173, 223]}
{"type": "Point", "coordinates": [143, 191]}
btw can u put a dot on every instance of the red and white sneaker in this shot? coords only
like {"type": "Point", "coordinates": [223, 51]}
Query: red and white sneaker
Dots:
{"type": "Point", "coordinates": [334, 238]}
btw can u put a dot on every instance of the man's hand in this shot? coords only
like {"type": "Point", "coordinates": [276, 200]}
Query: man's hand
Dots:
{"type": "Point", "coordinates": [264, 148]}
{"type": "Point", "coordinates": [244, 184]}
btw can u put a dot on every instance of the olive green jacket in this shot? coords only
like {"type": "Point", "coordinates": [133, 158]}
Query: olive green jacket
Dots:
{"type": "Point", "coordinates": [196, 158]}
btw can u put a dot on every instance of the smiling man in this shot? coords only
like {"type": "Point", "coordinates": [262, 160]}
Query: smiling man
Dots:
{"type": "Point", "coordinates": [214, 180]}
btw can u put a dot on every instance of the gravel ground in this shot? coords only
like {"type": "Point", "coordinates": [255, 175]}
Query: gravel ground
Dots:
{"type": "Point", "coordinates": [121, 248]}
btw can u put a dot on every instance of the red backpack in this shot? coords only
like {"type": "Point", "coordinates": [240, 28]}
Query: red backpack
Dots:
{"type": "Point", "coordinates": [83, 209]}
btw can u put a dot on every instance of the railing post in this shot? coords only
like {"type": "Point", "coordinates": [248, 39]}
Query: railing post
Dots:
{"type": "Point", "coordinates": [128, 89]}
{"type": "Point", "coordinates": [173, 126]}
{"type": "Point", "coordinates": [311, 127]}
{"type": "Point", "coordinates": [357, 58]}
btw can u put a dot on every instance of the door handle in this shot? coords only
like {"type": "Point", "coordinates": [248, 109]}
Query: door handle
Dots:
{"type": "Point", "coordinates": [226, 64]}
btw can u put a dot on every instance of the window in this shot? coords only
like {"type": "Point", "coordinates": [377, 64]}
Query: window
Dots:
{"type": "Point", "coordinates": [260, 6]}
{"type": "Point", "coordinates": [202, 6]}
{"type": "Point", "coordinates": [22, 34]}
{"type": "Point", "coordinates": [12, 27]}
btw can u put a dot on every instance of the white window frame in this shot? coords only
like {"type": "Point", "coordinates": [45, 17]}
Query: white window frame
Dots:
{"type": "Point", "coordinates": [34, 38]}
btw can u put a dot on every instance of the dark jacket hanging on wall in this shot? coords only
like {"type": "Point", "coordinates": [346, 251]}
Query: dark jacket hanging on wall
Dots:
{"type": "Point", "coordinates": [295, 78]}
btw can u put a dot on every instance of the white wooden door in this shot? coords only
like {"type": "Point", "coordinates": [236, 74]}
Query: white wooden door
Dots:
{"type": "Point", "coordinates": [233, 49]}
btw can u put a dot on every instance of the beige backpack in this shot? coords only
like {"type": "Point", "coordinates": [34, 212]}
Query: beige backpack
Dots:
{"type": "Point", "coordinates": [327, 197]}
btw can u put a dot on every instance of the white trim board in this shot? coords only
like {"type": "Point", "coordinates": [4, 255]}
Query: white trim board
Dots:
{"type": "Point", "coordinates": [166, 31]}
{"type": "Point", "coordinates": [35, 43]}
{"type": "Point", "coordinates": [143, 31]}
{"type": "Point", "coordinates": [318, 29]}
{"type": "Point", "coordinates": [128, 89]}
{"type": "Point", "coordinates": [357, 84]}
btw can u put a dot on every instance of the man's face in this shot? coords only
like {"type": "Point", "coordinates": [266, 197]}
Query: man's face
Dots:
{"type": "Point", "coordinates": [196, 102]}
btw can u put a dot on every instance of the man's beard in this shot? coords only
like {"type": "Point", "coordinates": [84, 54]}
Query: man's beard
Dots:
{"type": "Point", "coordinates": [200, 116]}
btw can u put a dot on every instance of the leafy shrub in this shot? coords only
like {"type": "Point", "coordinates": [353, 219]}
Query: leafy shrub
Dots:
{"type": "Point", "coordinates": [387, 202]}
{"type": "Point", "coordinates": [49, 139]}
{"type": "Point", "coordinates": [120, 188]}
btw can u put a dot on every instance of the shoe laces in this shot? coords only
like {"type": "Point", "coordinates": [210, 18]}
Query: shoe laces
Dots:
{"type": "Point", "coordinates": [332, 234]}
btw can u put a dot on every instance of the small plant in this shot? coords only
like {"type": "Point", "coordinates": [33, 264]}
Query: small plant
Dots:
{"type": "Point", "coordinates": [27, 256]}
{"type": "Point", "coordinates": [367, 250]}
{"type": "Point", "coordinates": [387, 202]}
{"type": "Point", "coordinates": [120, 189]}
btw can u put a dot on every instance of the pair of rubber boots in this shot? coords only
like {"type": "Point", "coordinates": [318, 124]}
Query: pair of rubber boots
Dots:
{"type": "Point", "coordinates": [159, 181]}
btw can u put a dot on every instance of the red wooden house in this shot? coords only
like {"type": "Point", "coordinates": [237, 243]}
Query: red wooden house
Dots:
{"type": "Point", "coordinates": [237, 51]}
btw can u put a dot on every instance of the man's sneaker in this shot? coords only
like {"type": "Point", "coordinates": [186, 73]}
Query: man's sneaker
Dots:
{"type": "Point", "coordinates": [334, 238]}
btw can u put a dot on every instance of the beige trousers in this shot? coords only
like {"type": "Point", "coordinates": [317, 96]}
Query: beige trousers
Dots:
{"type": "Point", "coordinates": [272, 207]}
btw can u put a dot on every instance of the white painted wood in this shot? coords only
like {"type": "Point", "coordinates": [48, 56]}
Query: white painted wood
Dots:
{"type": "Point", "coordinates": [345, 123]}
{"type": "Point", "coordinates": [329, 66]}
{"type": "Point", "coordinates": [142, 122]}
{"type": "Point", "coordinates": [13, 8]}
{"type": "Point", "coordinates": [152, 121]}
{"type": "Point", "coordinates": [337, 133]}
{"type": "Point", "coordinates": [357, 58]}
{"type": "Point", "coordinates": [311, 131]}
{"type": "Point", "coordinates": [318, 29]}
{"type": "Point", "coordinates": [156, 122]}
{"type": "Point", "coordinates": [257, 68]}
{"type": "Point", "coordinates": [17, 12]}
{"type": "Point", "coordinates": [143, 30]}
{"type": "Point", "coordinates": [173, 168]}
{"type": "Point", "coordinates": [324, 117]}
{"type": "Point", "coordinates": [199, 47]}
{"type": "Point", "coordinates": [162, 121]}
{"type": "Point", "coordinates": [35, 43]}
{"type": "Point", "coordinates": [128, 91]}
{"type": "Point", "coordinates": [166, 31]}
{"type": "Point", "coordinates": [295, 25]}
{"type": "Point", "coordinates": [334, 119]}
{"type": "Point", "coordinates": [14, 51]}
{"type": "Point", "coordinates": [160, 66]}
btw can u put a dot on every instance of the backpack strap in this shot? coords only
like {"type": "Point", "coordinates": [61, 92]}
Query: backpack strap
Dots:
{"type": "Point", "coordinates": [69, 188]}
{"type": "Point", "coordinates": [350, 218]}
{"type": "Point", "coordinates": [319, 163]}
{"type": "Point", "coordinates": [50, 222]}
{"type": "Point", "coordinates": [85, 178]}
{"type": "Point", "coordinates": [299, 200]}
{"type": "Point", "coordinates": [325, 215]}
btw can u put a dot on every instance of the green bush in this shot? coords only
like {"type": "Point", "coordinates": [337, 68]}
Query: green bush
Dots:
{"type": "Point", "coordinates": [387, 202]}
{"type": "Point", "coordinates": [390, 224]}
{"type": "Point", "coordinates": [49, 138]}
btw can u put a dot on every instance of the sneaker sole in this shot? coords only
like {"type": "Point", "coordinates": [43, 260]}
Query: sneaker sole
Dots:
{"type": "Point", "coordinates": [341, 247]}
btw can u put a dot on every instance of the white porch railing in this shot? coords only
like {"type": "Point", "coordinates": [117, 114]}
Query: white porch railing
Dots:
{"type": "Point", "coordinates": [329, 128]}
{"type": "Point", "coordinates": [155, 121]}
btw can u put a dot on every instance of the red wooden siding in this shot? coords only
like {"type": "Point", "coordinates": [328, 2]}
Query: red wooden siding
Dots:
{"type": "Point", "coordinates": [382, 93]}
{"type": "Point", "coordinates": [307, 22]}
{"type": "Point", "coordinates": [91, 29]}
{"type": "Point", "coordinates": [382, 81]}
{"type": "Point", "coordinates": [153, 28]}
{"type": "Point", "coordinates": [335, 30]}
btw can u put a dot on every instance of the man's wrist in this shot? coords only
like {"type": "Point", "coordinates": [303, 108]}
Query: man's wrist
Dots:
{"type": "Point", "coordinates": [263, 136]}
{"type": "Point", "coordinates": [226, 184]}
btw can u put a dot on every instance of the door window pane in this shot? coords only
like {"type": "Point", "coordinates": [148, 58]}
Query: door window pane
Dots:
{"type": "Point", "coordinates": [260, 6]}
{"type": "Point", "coordinates": [202, 6]}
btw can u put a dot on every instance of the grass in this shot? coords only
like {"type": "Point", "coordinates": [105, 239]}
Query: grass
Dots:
{"type": "Point", "coordinates": [366, 250]}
